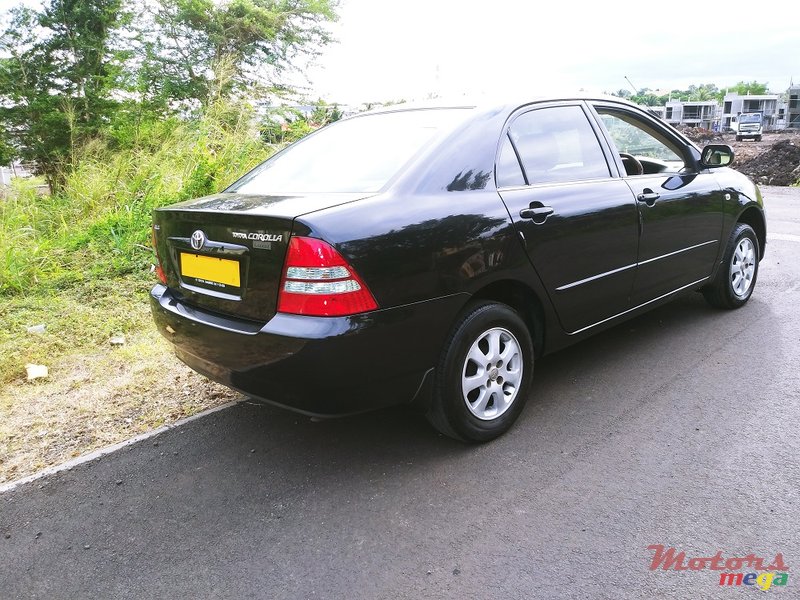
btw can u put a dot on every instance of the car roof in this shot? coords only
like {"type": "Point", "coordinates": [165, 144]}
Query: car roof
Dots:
{"type": "Point", "coordinates": [494, 102]}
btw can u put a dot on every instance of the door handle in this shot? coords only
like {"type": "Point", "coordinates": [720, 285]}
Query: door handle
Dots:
{"type": "Point", "coordinates": [648, 196]}
{"type": "Point", "coordinates": [538, 213]}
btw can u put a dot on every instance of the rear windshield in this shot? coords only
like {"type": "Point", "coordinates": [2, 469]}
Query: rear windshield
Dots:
{"type": "Point", "coordinates": [355, 155]}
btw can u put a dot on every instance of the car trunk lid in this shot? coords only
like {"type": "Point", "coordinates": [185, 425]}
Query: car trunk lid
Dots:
{"type": "Point", "coordinates": [225, 253]}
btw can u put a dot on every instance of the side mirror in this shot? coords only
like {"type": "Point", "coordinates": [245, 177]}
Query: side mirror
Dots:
{"type": "Point", "coordinates": [717, 155]}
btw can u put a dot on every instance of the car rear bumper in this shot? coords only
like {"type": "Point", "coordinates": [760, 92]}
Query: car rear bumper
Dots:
{"type": "Point", "coordinates": [324, 366]}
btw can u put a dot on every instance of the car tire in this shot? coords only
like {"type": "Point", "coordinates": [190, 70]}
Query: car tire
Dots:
{"type": "Point", "coordinates": [738, 138]}
{"type": "Point", "coordinates": [484, 374]}
{"type": "Point", "coordinates": [758, 138]}
{"type": "Point", "coordinates": [737, 274]}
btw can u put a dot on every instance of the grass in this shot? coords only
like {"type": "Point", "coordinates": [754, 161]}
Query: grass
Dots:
{"type": "Point", "coordinates": [78, 262]}
{"type": "Point", "coordinates": [86, 316]}
{"type": "Point", "coordinates": [98, 226]}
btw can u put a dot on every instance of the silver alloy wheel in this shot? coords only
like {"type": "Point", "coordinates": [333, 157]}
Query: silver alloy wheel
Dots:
{"type": "Point", "coordinates": [492, 373]}
{"type": "Point", "coordinates": [743, 267]}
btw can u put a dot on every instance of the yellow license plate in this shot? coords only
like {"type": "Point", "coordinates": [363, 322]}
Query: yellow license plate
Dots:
{"type": "Point", "coordinates": [210, 269]}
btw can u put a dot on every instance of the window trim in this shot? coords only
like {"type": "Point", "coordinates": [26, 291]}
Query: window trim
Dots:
{"type": "Point", "coordinates": [503, 138]}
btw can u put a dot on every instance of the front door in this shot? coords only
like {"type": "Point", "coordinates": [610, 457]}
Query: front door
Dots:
{"type": "Point", "coordinates": [680, 207]}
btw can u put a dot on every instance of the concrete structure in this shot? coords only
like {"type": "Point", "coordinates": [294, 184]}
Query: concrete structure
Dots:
{"type": "Point", "coordinates": [771, 106]}
{"type": "Point", "coordinates": [692, 113]}
{"type": "Point", "coordinates": [658, 111]}
{"type": "Point", "coordinates": [8, 172]}
{"type": "Point", "coordinates": [793, 107]}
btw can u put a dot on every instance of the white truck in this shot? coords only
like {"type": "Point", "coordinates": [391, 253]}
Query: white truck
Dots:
{"type": "Point", "coordinates": [749, 125]}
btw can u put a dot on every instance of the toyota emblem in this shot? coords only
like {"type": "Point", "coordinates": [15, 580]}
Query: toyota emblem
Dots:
{"type": "Point", "coordinates": [198, 239]}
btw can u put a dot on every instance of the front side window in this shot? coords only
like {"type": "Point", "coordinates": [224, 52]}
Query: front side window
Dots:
{"type": "Point", "coordinates": [643, 149]}
{"type": "Point", "coordinates": [557, 144]}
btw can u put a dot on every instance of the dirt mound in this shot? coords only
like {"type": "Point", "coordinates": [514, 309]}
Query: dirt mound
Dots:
{"type": "Point", "coordinates": [699, 135]}
{"type": "Point", "coordinates": [779, 165]}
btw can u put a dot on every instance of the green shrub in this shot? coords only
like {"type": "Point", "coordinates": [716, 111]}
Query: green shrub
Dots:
{"type": "Point", "coordinates": [78, 261]}
{"type": "Point", "coordinates": [99, 225]}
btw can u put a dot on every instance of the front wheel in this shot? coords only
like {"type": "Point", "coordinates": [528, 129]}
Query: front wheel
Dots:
{"type": "Point", "coordinates": [736, 278]}
{"type": "Point", "coordinates": [484, 374]}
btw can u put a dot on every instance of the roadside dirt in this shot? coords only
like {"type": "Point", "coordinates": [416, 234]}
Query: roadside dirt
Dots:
{"type": "Point", "coordinates": [775, 160]}
{"type": "Point", "coordinates": [92, 400]}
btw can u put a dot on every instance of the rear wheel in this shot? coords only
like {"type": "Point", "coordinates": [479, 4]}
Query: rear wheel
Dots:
{"type": "Point", "coordinates": [736, 278]}
{"type": "Point", "coordinates": [738, 138]}
{"type": "Point", "coordinates": [484, 374]}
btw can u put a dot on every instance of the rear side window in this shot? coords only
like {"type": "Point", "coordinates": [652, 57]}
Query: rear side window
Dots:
{"type": "Point", "coordinates": [355, 155]}
{"type": "Point", "coordinates": [558, 144]}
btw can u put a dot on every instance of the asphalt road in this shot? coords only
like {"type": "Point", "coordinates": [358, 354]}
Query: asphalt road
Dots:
{"type": "Point", "coordinates": [679, 428]}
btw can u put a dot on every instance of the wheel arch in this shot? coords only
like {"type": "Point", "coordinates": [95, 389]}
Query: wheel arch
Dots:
{"type": "Point", "coordinates": [524, 300]}
{"type": "Point", "coordinates": [754, 217]}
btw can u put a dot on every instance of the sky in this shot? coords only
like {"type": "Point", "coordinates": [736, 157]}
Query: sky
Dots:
{"type": "Point", "coordinates": [412, 49]}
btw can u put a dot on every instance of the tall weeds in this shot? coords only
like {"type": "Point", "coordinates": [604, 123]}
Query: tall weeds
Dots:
{"type": "Point", "coordinates": [99, 224]}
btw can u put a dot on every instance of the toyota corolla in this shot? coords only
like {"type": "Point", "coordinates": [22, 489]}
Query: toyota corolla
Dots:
{"type": "Point", "coordinates": [430, 256]}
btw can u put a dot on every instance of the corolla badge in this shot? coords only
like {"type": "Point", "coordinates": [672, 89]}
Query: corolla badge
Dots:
{"type": "Point", "coordinates": [198, 239]}
{"type": "Point", "coordinates": [258, 236]}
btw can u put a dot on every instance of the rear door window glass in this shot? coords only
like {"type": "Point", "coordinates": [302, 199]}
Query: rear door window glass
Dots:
{"type": "Point", "coordinates": [558, 144]}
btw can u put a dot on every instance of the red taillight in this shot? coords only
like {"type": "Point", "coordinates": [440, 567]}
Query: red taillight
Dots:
{"type": "Point", "coordinates": [162, 277]}
{"type": "Point", "coordinates": [317, 281]}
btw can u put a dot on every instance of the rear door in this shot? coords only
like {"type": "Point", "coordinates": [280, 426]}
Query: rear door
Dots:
{"type": "Point", "coordinates": [680, 206]}
{"type": "Point", "coordinates": [578, 223]}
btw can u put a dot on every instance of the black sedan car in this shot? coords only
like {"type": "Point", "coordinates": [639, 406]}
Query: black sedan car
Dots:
{"type": "Point", "coordinates": [429, 256]}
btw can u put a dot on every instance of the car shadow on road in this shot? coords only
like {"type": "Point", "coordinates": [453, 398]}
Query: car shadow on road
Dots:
{"type": "Point", "coordinates": [671, 337]}
{"type": "Point", "coordinates": [602, 373]}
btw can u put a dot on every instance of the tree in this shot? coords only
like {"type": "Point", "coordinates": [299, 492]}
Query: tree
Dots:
{"type": "Point", "coordinates": [286, 124]}
{"type": "Point", "coordinates": [7, 151]}
{"type": "Point", "coordinates": [704, 92]}
{"type": "Point", "coordinates": [698, 93]}
{"type": "Point", "coordinates": [753, 87]}
{"type": "Point", "coordinates": [644, 97]}
{"type": "Point", "coordinates": [79, 50]}
{"type": "Point", "coordinates": [57, 79]}
{"type": "Point", "coordinates": [192, 47]}
{"type": "Point", "coordinates": [78, 69]}
{"type": "Point", "coordinates": [648, 98]}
